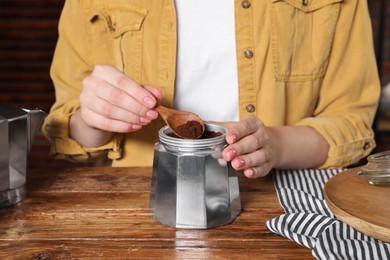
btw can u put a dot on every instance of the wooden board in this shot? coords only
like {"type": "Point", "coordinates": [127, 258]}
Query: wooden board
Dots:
{"type": "Point", "coordinates": [363, 206]}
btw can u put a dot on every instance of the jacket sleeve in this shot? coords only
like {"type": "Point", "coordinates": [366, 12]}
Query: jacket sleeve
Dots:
{"type": "Point", "coordinates": [71, 64]}
{"type": "Point", "coordinates": [350, 92]}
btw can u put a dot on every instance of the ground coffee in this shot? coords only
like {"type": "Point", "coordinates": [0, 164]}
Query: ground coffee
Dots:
{"type": "Point", "coordinates": [190, 130]}
{"type": "Point", "coordinates": [206, 134]}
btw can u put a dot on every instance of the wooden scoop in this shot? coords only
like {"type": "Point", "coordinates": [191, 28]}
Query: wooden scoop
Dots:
{"type": "Point", "coordinates": [183, 124]}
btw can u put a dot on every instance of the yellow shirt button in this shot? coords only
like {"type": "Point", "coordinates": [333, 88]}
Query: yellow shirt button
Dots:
{"type": "Point", "coordinates": [245, 4]}
{"type": "Point", "coordinates": [366, 145]}
{"type": "Point", "coordinates": [250, 108]}
{"type": "Point", "coordinates": [248, 54]}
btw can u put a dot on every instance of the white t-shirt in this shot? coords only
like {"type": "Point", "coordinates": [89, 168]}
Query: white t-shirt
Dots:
{"type": "Point", "coordinates": [206, 76]}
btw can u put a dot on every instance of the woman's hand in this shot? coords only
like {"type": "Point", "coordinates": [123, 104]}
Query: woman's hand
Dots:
{"type": "Point", "coordinates": [250, 148]}
{"type": "Point", "coordinates": [113, 102]}
{"type": "Point", "coordinates": [110, 102]}
{"type": "Point", "coordinates": [255, 148]}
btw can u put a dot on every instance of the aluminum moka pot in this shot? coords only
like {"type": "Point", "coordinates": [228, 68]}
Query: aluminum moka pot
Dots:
{"type": "Point", "coordinates": [192, 185]}
{"type": "Point", "coordinates": [18, 128]}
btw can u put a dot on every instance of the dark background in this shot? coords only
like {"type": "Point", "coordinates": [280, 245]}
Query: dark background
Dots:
{"type": "Point", "coordinates": [28, 34]}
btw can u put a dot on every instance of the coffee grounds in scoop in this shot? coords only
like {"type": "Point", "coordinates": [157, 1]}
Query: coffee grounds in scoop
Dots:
{"type": "Point", "coordinates": [191, 129]}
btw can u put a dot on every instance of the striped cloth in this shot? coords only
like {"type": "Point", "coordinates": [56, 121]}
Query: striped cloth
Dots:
{"type": "Point", "coordinates": [309, 222]}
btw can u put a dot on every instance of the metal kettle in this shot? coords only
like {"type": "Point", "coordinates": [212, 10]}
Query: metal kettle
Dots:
{"type": "Point", "coordinates": [18, 129]}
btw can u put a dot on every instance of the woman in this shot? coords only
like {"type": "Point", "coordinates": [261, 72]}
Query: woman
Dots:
{"type": "Point", "coordinates": [295, 82]}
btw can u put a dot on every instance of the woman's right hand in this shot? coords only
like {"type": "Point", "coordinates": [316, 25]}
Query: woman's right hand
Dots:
{"type": "Point", "coordinates": [110, 102]}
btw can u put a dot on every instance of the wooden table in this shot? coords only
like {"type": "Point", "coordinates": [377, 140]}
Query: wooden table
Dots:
{"type": "Point", "coordinates": [102, 213]}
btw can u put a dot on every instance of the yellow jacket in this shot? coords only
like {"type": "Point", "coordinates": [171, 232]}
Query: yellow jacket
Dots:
{"type": "Point", "coordinates": [300, 62]}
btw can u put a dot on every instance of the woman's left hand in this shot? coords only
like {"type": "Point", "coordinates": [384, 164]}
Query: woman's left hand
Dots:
{"type": "Point", "coordinates": [250, 147]}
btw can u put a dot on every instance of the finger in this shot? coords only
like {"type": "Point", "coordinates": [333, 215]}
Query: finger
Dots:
{"type": "Point", "coordinates": [116, 96]}
{"type": "Point", "coordinates": [258, 172]}
{"type": "Point", "coordinates": [247, 126]}
{"type": "Point", "coordinates": [107, 124]}
{"type": "Point", "coordinates": [158, 94]}
{"type": "Point", "coordinates": [111, 111]}
{"type": "Point", "coordinates": [246, 145]}
{"type": "Point", "coordinates": [250, 143]}
{"type": "Point", "coordinates": [120, 80]}
{"type": "Point", "coordinates": [251, 160]}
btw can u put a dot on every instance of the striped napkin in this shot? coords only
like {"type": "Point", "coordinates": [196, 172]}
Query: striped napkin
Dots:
{"type": "Point", "coordinates": [309, 222]}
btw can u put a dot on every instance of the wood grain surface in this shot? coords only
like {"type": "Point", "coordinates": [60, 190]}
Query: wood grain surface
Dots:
{"type": "Point", "coordinates": [102, 213]}
{"type": "Point", "coordinates": [359, 204]}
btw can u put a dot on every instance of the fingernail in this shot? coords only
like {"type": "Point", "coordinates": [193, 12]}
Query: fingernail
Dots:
{"type": "Point", "coordinates": [238, 163]}
{"type": "Point", "coordinates": [162, 93]}
{"type": "Point", "coordinates": [137, 127]}
{"type": "Point", "coordinates": [231, 154]}
{"type": "Point", "coordinates": [249, 173]}
{"type": "Point", "coordinates": [232, 139]}
{"type": "Point", "coordinates": [144, 120]}
{"type": "Point", "coordinates": [152, 114]}
{"type": "Point", "coordinates": [149, 102]}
